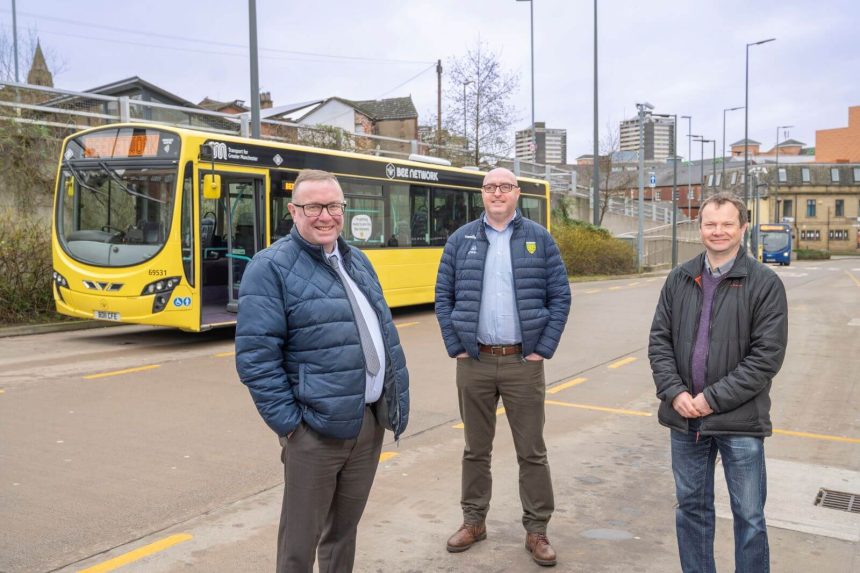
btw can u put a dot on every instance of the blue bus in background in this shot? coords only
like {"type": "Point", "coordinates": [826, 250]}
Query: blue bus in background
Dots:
{"type": "Point", "coordinates": [775, 241]}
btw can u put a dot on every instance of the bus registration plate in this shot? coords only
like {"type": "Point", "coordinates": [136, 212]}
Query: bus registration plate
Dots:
{"type": "Point", "coordinates": [105, 315]}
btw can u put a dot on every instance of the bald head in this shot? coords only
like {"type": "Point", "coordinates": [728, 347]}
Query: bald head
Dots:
{"type": "Point", "coordinates": [500, 174]}
{"type": "Point", "coordinates": [499, 205]}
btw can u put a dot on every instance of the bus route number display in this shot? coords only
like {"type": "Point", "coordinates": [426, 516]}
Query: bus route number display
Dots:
{"type": "Point", "coordinates": [118, 146]}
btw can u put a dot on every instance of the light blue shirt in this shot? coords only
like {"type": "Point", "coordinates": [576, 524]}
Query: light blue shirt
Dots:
{"type": "Point", "coordinates": [721, 270]}
{"type": "Point", "coordinates": [374, 383]}
{"type": "Point", "coordinates": [498, 321]}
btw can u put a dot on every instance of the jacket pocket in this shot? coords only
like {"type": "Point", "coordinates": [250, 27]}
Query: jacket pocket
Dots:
{"type": "Point", "coordinates": [302, 393]}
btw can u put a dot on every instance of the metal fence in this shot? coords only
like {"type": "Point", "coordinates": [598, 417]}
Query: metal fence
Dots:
{"type": "Point", "coordinates": [73, 111]}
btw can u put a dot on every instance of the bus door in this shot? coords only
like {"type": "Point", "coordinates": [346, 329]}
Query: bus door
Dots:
{"type": "Point", "coordinates": [231, 231]}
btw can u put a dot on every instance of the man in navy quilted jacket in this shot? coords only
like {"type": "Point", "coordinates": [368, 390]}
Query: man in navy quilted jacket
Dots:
{"type": "Point", "coordinates": [502, 300]}
{"type": "Point", "coordinates": [319, 352]}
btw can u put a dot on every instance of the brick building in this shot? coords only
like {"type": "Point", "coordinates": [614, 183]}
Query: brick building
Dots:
{"type": "Point", "coordinates": [841, 144]}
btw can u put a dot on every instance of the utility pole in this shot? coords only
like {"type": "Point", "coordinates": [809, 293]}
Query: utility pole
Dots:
{"type": "Point", "coordinates": [15, 40]}
{"type": "Point", "coordinates": [776, 193]}
{"type": "Point", "coordinates": [439, 104]}
{"type": "Point", "coordinates": [640, 243]}
{"type": "Point", "coordinates": [675, 191]}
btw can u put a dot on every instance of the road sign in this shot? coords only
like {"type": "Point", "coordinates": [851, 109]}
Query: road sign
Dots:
{"type": "Point", "coordinates": [652, 179]}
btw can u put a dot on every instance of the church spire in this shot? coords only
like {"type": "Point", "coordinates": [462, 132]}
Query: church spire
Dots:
{"type": "Point", "coordinates": [39, 73]}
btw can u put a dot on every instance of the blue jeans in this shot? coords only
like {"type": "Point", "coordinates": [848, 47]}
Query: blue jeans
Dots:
{"type": "Point", "coordinates": [693, 464]}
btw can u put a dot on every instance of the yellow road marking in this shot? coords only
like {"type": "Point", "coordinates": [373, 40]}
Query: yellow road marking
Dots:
{"type": "Point", "coordinates": [225, 354]}
{"type": "Point", "coordinates": [405, 324]}
{"type": "Point", "coordinates": [853, 278]}
{"type": "Point", "coordinates": [385, 456]}
{"type": "Point", "coordinates": [2, 391]}
{"type": "Point", "coordinates": [616, 287]}
{"type": "Point", "coordinates": [137, 554]}
{"type": "Point", "coordinates": [592, 290]}
{"type": "Point", "coordinates": [460, 426]}
{"type": "Point", "coordinates": [566, 385]}
{"type": "Point", "coordinates": [634, 283]}
{"type": "Point", "coordinates": [817, 436]}
{"type": "Point", "coordinates": [599, 408]}
{"type": "Point", "coordinates": [622, 362]}
{"type": "Point", "coordinates": [118, 372]}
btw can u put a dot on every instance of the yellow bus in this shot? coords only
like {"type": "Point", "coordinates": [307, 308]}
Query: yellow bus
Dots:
{"type": "Point", "coordinates": [155, 225]}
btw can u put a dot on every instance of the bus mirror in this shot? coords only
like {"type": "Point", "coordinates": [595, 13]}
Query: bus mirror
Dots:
{"type": "Point", "coordinates": [70, 186]}
{"type": "Point", "coordinates": [211, 186]}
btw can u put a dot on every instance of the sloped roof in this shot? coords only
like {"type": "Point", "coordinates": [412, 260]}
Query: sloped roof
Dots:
{"type": "Point", "coordinates": [123, 86]}
{"type": "Point", "coordinates": [741, 142]}
{"type": "Point", "coordinates": [791, 143]}
{"type": "Point", "coordinates": [215, 105]}
{"type": "Point", "coordinates": [382, 109]}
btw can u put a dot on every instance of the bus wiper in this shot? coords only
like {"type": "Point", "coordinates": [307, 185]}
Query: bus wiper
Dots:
{"type": "Point", "coordinates": [116, 178]}
{"type": "Point", "coordinates": [80, 179]}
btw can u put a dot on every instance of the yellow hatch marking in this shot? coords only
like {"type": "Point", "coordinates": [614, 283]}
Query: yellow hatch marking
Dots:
{"type": "Point", "coordinates": [566, 385]}
{"type": "Point", "coordinates": [599, 408]}
{"type": "Point", "coordinates": [118, 372]}
{"type": "Point", "coordinates": [225, 354]}
{"type": "Point", "coordinates": [853, 278]}
{"type": "Point", "coordinates": [622, 362]}
{"type": "Point", "coordinates": [405, 324]}
{"type": "Point", "coordinates": [591, 290]}
{"type": "Point", "coordinates": [385, 456]}
{"type": "Point", "coordinates": [137, 554]}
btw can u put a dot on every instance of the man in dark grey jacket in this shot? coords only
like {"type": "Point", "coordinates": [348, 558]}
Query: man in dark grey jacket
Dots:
{"type": "Point", "coordinates": [502, 300]}
{"type": "Point", "coordinates": [318, 349]}
{"type": "Point", "coordinates": [717, 340]}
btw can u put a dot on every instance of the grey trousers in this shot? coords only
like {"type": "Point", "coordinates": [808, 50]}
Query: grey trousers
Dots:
{"type": "Point", "coordinates": [521, 386]}
{"type": "Point", "coordinates": [326, 485]}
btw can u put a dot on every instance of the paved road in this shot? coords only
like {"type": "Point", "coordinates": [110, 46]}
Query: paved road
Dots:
{"type": "Point", "coordinates": [137, 448]}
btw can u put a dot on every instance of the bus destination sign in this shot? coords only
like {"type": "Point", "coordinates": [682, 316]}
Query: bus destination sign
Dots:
{"type": "Point", "coordinates": [124, 143]}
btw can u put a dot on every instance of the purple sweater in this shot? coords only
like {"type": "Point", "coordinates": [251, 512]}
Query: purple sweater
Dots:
{"type": "Point", "coordinates": [700, 350]}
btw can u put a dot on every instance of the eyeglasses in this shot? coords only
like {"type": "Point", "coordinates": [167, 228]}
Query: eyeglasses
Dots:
{"type": "Point", "coordinates": [315, 209]}
{"type": "Point", "coordinates": [503, 187]}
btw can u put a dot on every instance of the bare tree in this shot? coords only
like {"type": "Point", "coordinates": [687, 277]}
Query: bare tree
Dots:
{"type": "Point", "coordinates": [486, 112]}
{"type": "Point", "coordinates": [26, 48]}
{"type": "Point", "coordinates": [614, 178]}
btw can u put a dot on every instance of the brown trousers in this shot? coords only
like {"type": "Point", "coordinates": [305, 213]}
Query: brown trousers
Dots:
{"type": "Point", "coordinates": [522, 388]}
{"type": "Point", "coordinates": [326, 485]}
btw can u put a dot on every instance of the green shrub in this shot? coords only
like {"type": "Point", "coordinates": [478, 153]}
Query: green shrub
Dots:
{"type": "Point", "coordinates": [25, 270]}
{"type": "Point", "coordinates": [589, 250]}
{"type": "Point", "coordinates": [812, 255]}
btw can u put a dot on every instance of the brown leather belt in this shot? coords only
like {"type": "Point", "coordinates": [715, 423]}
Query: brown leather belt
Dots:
{"type": "Point", "coordinates": [501, 350]}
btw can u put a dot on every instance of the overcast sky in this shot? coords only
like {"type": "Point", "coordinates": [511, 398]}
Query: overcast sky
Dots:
{"type": "Point", "coordinates": [683, 56]}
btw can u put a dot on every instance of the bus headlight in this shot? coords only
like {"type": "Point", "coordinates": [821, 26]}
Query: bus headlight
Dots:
{"type": "Point", "coordinates": [162, 290]}
{"type": "Point", "coordinates": [60, 280]}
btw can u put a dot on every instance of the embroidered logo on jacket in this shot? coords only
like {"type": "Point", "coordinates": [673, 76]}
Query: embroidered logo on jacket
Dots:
{"type": "Point", "coordinates": [472, 250]}
{"type": "Point", "coordinates": [531, 247]}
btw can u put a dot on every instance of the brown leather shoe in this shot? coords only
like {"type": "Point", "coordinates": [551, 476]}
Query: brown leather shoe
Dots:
{"type": "Point", "coordinates": [542, 552]}
{"type": "Point", "coordinates": [467, 536]}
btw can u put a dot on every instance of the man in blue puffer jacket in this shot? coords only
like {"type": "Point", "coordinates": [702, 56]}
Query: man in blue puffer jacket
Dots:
{"type": "Point", "coordinates": [502, 300]}
{"type": "Point", "coordinates": [319, 352]}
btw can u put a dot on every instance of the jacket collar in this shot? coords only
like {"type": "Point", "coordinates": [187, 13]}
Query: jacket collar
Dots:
{"type": "Point", "coordinates": [694, 266]}
{"type": "Point", "coordinates": [516, 224]}
{"type": "Point", "coordinates": [317, 251]}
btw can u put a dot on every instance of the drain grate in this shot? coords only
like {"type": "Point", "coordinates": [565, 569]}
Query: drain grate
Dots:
{"type": "Point", "coordinates": [838, 500]}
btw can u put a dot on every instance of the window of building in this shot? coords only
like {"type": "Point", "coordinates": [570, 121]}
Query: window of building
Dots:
{"type": "Point", "coordinates": [734, 177]}
{"type": "Point", "coordinates": [804, 174]}
{"type": "Point", "coordinates": [857, 175]}
{"type": "Point", "coordinates": [834, 174]}
{"type": "Point", "coordinates": [657, 195]}
{"type": "Point", "coordinates": [840, 207]}
{"type": "Point", "coordinates": [719, 179]}
{"type": "Point", "coordinates": [711, 180]}
{"type": "Point", "coordinates": [743, 178]}
{"type": "Point", "coordinates": [783, 176]}
{"type": "Point", "coordinates": [787, 207]}
{"type": "Point", "coordinates": [810, 235]}
{"type": "Point", "coordinates": [838, 234]}
{"type": "Point", "coordinates": [810, 207]}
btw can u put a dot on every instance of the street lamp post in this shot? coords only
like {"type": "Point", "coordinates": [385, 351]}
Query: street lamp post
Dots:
{"type": "Point", "coordinates": [532, 34]}
{"type": "Point", "coordinates": [747, 125]}
{"type": "Point", "coordinates": [643, 108]}
{"type": "Point", "coordinates": [714, 162]}
{"type": "Point", "coordinates": [675, 191]}
{"type": "Point", "coordinates": [757, 172]}
{"type": "Point", "coordinates": [465, 109]}
{"type": "Point", "coordinates": [776, 191]}
{"type": "Point", "coordinates": [595, 169]}
{"type": "Point", "coordinates": [702, 141]}
{"type": "Point", "coordinates": [723, 149]}
{"type": "Point", "coordinates": [689, 119]}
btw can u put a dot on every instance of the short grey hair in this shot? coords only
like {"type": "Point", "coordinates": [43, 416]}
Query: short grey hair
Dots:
{"type": "Point", "coordinates": [721, 199]}
{"type": "Point", "coordinates": [313, 175]}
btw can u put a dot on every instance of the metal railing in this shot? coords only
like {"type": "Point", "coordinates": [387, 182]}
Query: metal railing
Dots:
{"type": "Point", "coordinates": [73, 111]}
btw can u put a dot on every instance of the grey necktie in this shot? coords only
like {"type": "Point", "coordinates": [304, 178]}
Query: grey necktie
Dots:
{"type": "Point", "coordinates": [371, 359]}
